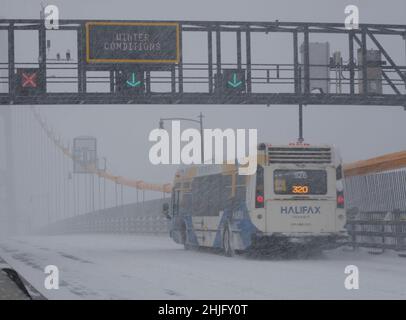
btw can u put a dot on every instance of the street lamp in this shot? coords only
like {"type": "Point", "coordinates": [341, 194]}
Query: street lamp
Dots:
{"type": "Point", "coordinates": [200, 122]}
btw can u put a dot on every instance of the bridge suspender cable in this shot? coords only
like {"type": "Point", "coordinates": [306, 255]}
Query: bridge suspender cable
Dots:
{"type": "Point", "coordinates": [137, 184]}
{"type": "Point", "coordinates": [387, 162]}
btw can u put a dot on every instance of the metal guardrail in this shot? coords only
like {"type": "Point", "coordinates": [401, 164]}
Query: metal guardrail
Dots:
{"type": "Point", "coordinates": [381, 230]}
{"type": "Point", "coordinates": [135, 224]}
{"type": "Point", "coordinates": [377, 191]}
{"type": "Point", "coordinates": [371, 229]}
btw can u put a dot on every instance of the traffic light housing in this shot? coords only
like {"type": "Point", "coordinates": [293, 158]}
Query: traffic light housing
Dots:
{"type": "Point", "coordinates": [29, 82]}
{"type": "Point", "coordinates": [232, 81]}
{"type": "Point", "coordinates": [130, 82]}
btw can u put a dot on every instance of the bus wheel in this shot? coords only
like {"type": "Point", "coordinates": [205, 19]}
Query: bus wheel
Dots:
{"type": "Point", "coordinates": [228, 242]}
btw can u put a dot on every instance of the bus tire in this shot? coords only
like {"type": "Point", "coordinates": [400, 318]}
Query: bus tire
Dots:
{"type": "Point", "coordinates": [228, 242]}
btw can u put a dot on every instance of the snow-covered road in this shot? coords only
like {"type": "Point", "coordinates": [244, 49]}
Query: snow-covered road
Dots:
{"type": "Point", "coordinates": [152, 267]}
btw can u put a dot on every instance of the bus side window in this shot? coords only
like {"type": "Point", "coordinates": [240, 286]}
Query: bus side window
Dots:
{"type": "Point", "coordinates": [186, 203]}
{"type": "Point", "coordinates": [259, 188]}
{"type": "Point", "coordinates": [226, 191]}
{"type": "Point", "coordinates": [214, 196]}
{"type": "Point", "coordinates": [240, 190]}
{"type": "Point", "coordinates": [196, 197]}
{"type": "Point", "coordinates": [173, 202]}
{"type": "Point", "coordinates": [200, 189]}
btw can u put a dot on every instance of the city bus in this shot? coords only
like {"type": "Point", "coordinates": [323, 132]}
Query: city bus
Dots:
{"type": "Point", "coordinates": [295, 200]}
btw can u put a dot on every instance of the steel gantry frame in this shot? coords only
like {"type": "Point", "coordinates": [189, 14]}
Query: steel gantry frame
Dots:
{"type": "Point", "coordinates": [393, 74]}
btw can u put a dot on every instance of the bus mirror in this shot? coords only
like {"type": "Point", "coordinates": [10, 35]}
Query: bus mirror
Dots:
{"type": "Point", "coordinates": [165, 210]}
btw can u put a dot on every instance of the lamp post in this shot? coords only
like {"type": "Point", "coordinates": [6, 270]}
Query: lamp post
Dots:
{"type": "Point", "coordinates": [104, 183]}
{"type": "Point", "coordinates": [200, 122]}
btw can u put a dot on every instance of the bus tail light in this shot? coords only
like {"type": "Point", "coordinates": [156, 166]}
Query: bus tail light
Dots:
{"type": "Point", "coordinates": [259, 193]}
{"type": "Point", "coordinates": [259, 201]}
{"type": "Point", "coordinates": [340, 200]}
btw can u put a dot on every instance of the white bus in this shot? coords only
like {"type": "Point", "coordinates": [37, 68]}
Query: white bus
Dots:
{"type": "Point", "coordinates": [294, 201]}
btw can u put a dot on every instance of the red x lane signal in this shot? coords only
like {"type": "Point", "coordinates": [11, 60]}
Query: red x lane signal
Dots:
{"type": "Point", "coordinates": [29, 80]}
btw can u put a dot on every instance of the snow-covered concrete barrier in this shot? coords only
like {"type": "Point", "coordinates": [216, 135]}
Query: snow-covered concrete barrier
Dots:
{"type": "Point", "coordinates": [132, 218]}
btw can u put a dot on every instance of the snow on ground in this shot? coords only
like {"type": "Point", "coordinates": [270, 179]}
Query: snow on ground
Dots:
{"type": "Point", "coordinates": [153, 267]}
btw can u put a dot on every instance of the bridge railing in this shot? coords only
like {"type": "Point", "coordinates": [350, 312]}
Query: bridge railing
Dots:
{"type": "Point", "coordinates": [381, 230]}
{"type": "Point", "coordinates": [375, 192]}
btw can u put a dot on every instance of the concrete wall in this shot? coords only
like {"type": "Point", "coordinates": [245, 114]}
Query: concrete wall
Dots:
{"type": "Point", "coordinates": [133, 218]}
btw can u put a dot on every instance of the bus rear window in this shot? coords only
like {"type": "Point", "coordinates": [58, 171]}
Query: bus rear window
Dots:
{"type": "Point", "coordinates": [300, 182]}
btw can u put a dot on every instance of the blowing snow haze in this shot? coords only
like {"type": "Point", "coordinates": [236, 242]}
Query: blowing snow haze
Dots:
{"type": "Point", "coordinates": [79, 191]}
{"type": "Point", "coordinates": [122, 131]}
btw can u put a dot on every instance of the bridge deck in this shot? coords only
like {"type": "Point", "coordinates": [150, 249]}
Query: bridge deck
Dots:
{"type": "Point", "coordinates": [142, 267]}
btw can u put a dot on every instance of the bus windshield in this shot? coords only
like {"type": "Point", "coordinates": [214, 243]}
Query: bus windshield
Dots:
{"type": "Point", "coordinates": [299, 182]}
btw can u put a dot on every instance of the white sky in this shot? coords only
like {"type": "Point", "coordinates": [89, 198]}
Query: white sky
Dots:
{"type": "Point", "coordinates": [122, 131]}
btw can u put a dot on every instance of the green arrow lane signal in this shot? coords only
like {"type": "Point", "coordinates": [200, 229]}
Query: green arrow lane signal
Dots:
{"type": "Point", "coordinates": [234, 83]}
{"type": "Point", "coordinates": [133, 83]}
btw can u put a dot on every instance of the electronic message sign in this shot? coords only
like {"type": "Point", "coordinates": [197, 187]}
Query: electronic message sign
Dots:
{"type": "Point", "coordinates": [132, 42]}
